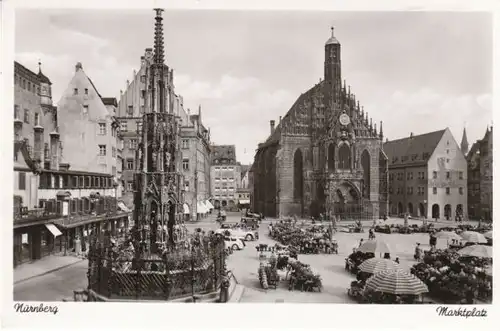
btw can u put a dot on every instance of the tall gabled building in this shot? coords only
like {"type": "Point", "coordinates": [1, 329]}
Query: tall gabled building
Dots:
{"type": "Point", "coordinates": [427, 176]}
{"type": "Point", "coordinates": [480, 177]}
{"type": "Point", "coordinates": [55, 205]}
{"type": "Point", "coordinates": [88, 127]}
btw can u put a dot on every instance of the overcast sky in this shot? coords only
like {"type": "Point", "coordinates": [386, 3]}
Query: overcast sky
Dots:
{"type": "Point", "coordinates": [416, 71]}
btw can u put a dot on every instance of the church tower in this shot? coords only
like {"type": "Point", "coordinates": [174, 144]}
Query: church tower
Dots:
{"type": "Point", "coordinates": [158, 198]}
{"type": "Point", "coordinates": [464, 145]}
{"type": "Point", "coordinates": [332, 62]}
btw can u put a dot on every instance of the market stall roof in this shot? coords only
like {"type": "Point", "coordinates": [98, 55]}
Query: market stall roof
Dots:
{"type": "Point", "coordinates": [122, 206]}
{"type": "Point", "coordinates": [63, 194]}
{"type": "Point", "coordinates": [185, 208]}
{"type": "Point", "coordinates": [209, 204]}
{"type": "Point", "coordinates": [201, 209]}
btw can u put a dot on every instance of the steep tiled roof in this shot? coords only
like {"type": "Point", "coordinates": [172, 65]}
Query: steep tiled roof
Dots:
{"type": "Point", "coordinates": [19, 68]}
{"type": "Point", "coordinates": [90, 80]}
{"type": "Point", "coordinates": [227, 152]}
{"type": "Point", "coordinates": [109, 101]}
{"type": "Point", "coordinates": [43, 78]}
{"type": "Point", "coordinates": [413, 150]}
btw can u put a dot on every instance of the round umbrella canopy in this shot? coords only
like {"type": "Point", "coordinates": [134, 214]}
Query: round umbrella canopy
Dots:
{"type": "Point", "coordinates": [396, 282]}
{"type": "Point", "coordinates": [375, 265]}
{"type": "Point", "coordinates": [374, 246]}
{"type": "Point", "coordinates": [448, 235]}
{"type": "Point", "coordinates": [477, 251]}
{"type": "Point", "coordinates": [489, 234]}
{"type": "Point", "coordinates": [474, 237]}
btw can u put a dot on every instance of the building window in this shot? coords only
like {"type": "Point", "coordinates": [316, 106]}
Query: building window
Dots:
{"type": "Point", "coordinates": [123, 126]}
{"type": "Point", "coordinates": [75, 91]}
{"type": "Point", "coordinates": [186, 186]}
{"type": "Point", "coordinates": [143, 79]}
{"type": "Point", "coordinates": [447, 175]}
{"type": "Point", "coordinates": [130, 111]}
{"type": "Point", "coordinates": [130, 164]}
{"type": "Point", "coordinates": [113, 151]}
{"type": "Point", "coordinates": [16, 112]}
{"type": "Point", "coordinates": [434, 190]}
{"type": "Point", "coordinates": [87, 91]}
{"type": "Point", "coordinates": [37, 119]}
{"type": "Point", "coordinates": [185, 143]}
{"type": "Point", "coordinates": [461, 190]}
{"type": "Point", "coordinates": [130, 186]}
{"type": "Point", "coordinates": [448, 191]}
{"type": "Point", "coordinates": [132, 144]}
{"type": "Point", "coordinates": [102, 129]}
{"type": "Point", "coordinates": [460, 175]}
{"type": "Point", "coordinates": [185, 164]}
{"type": "Point", "coordinates": [102, 150]}
{"type": "Point", "coordinates": [85, 109]}
{"type": "Point", "coordinates": [143, 94]}
{"type": "Point", "coordinates": [447, 151]}
{"type": "Point", "coordinates": [26, 116]}
{"type": "Point", "coordinates": [22, 181]}
{"type": "Point", "coordinates": [434, 174]}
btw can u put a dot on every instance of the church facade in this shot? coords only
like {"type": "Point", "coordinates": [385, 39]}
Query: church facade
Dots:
{"type": "Point", "coordinates": [324, 156]}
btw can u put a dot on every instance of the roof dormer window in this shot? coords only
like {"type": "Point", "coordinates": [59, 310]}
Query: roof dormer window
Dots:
{"type": "Point", "coordinates": [75, 91]}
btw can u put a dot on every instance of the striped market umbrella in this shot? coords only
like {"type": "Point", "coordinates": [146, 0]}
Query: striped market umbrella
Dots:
{"type": "Point", "coordinates": [396, 282]}
{"type": "Point", "coordinates": [448, 235]}
{"type": "Point", "coordinates": [489, 234]}
{"type": "Point", "coordinates": [375, 265]}
{"type": "Point", "coordinates": [474, 237]}
{"type": "Point", "coordinates": [374, 246]}
{"type": "Point", "coordinates": [477, 251]}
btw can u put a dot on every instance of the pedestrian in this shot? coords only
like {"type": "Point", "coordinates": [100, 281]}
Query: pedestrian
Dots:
{"type": "Point", "coordinates": [360, 242]}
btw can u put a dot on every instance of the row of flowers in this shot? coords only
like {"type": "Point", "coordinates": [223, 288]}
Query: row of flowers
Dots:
{"type": "Point", "coordinates": [453, 278]}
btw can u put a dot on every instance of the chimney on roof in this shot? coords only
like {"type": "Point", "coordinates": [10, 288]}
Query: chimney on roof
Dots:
{"type": "Point", "coordinates": [411, 134]}
{"type": "Point", "coordinates": [272, 122]}
{"type": "Point", "coordinates": [280, 120]}
{"type": "Point", "coordinates": [78, 66]}
{"type": "Point", "coordinates": [143, 60]}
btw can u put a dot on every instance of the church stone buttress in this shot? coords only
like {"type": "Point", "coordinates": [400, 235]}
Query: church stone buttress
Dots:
{"type": "Point", "coordinates": [158, 197]}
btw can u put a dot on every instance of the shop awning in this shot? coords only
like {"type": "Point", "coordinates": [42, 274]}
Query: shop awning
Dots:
{"type": "Point", "coordinates": [53, 229]}
{"type": "Point", "coordinates": [209, 205]}
{"type": "Point", "coordinates": [63, 194]}
{"type": "Point", "coordinates": [244, 202]}
{"type": "Point", "coordinates": [186, 208]}
{"type": "Point", "coordinates": [122, 207]}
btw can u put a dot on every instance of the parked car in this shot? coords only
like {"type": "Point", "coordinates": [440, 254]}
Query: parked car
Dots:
{"type": "Point", "coordinates": [234, 243]}
{"type": "Point", "coordinates": [239, 233]}
{"type": "Point", "coordinates": [250, 223]}
{"type": "Point", "coordinates": [231, 225]}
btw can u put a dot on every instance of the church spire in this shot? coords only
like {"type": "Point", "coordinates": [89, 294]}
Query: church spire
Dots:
{"type": "Point", "coordinates": [464, 145]}
{"type": "Point", "coordinates": [159, 55]}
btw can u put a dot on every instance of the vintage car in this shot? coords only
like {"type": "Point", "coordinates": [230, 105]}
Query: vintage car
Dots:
{"type": "Point", "coordinates": [250, 223]}
{"type": "Point", "coordinates": [234, 243]}
{"type": "Point", "coordinates": [239, 233]}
